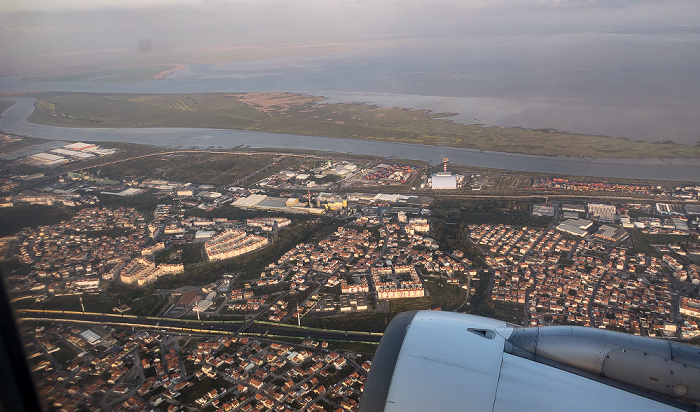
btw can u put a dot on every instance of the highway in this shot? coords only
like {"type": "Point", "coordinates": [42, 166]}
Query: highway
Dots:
{"type": "Point", "coordinates": [198, 327]}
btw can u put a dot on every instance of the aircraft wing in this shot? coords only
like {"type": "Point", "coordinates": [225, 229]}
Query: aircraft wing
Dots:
{"type": "Point", "coordinates": [442, 361]}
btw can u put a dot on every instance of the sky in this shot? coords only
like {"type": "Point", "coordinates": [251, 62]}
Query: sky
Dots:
{"type": "Point", "coordinates": [640, 56]}
{"type": "Point", "coordinates": [32, 30]}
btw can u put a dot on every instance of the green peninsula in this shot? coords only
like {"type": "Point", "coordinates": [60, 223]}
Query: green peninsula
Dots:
{"type": "Point", "coordinates": [298, 114]}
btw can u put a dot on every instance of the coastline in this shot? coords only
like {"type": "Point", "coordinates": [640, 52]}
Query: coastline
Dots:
{"type": "Point", "coordinates": [168, 72]}
{"type": "Point", "coordinates": [314, 115]}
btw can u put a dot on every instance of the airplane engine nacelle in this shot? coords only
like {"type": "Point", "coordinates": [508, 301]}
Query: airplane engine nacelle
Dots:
{"type": "Point", "coordinates": [442, 361]}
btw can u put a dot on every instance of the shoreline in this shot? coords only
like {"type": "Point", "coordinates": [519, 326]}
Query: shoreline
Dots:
{"type": "Point", "coordinates": [306, 114]}
{"type": "Point", "coordinates": [165, 73]}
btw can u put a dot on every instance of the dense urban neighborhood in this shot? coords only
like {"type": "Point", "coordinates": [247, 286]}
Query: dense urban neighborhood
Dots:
{"type": "Point", "coordinates": [254, 294]}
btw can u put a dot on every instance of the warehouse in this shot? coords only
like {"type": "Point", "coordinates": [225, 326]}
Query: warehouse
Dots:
{"type": "Point", "coordinates": [443, 180]}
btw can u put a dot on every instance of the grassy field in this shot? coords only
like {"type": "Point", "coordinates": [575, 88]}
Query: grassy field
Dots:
{"type": "Point", "coordinates": [643, 241]}
{"type": "Point", "coordinates": [15, 142]}
{"type": "Point", "coordinates": [143, 302]}
{"type": "Point", "coordinates": [305, 115]}
{"type": "Point", "coordinates": [65, 354]}
{"type": "Point", "coordinates": [191, 254]}
{"type": "Point", "coordinates": [202, 167]}
{"type": "Point", "coordinates": [144, 202]}
{"type": "Point", "coordinates": [466, 211]}
{"type": "Point", "coordinates": [365, 322]}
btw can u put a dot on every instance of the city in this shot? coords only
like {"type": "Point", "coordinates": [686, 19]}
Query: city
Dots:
{"type": "Point", "coordinates": [316, 205]}
{"type": "Point", "coordinates": [198, 257]}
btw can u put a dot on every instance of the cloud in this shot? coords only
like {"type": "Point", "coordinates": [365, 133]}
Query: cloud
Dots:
{"type": "Point", "coordinates": [49, 5]}
{"type": "Point", "coordinates": [15, 29]}
{"type": "Point", "coordinates": [74, 26]}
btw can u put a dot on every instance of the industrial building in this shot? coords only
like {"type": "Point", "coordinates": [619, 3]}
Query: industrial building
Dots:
{"type": "Point", "coordinates": [48, 159]}
{"type": "Point", "coordinates": [443, 180]}
{"type": "Point", "coordinates": [669, 209]}
{"type": "Point", "coordinates": [543, 210]}
{"type": "Point", "coordinates": [576, 227]}
{"type": "Point", "coordinates": [692, 209]}
{"type": "Point", "coordinates": [205, 304]}
{"type": "Point", "coordinates": [604, 213]}
{"type": "Point", "coordinates": [572, 207]}
{"type": "Point", "coordinates": [264, 202]}
{"type": "Point", "coordinates": [610, 233]}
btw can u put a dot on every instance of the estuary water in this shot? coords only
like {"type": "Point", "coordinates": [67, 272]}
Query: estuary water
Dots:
{"type": "Point", "coordinates": [639, 86]}
{"type": "Point", "coordinates": [14, 120]}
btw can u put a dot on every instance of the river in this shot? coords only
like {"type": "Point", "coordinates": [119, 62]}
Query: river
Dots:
{"type": "Point", "coordinates": [14, 120]}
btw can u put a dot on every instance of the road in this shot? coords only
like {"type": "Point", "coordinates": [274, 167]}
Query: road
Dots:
{"type": "Point", "coordinates": [260, 313]}
{"type": "Point", "coordinates": [267, 166]}
{"type": "Point", "coordinates": [135, 370]}
{"type": "Point", "coordinates": [196, 327]}
{"type": "Point", "coordinates": [527, 316]}
{"type": "Point", "coordinates": [594, 292]}
{"type": "Point", "coordinates": [45, 179]}
{"type": "Point", "coordinates": [282, 154]}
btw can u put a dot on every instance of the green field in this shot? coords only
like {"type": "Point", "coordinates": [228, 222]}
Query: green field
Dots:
{"type": "Point", "coordinates": [467, 211]}
{"type": "Point", "coordinates": [360, 321]}
{"type": "Point", "coordinates": [305, 115]}
{"type": "Point", "coordinates": [65, 354]}
{"type": "Point", "coordinates": [197, 167]}
{"type": "Point", "coordinates": [143, 302]}
{"type": "Point", "coordinates": [643, 241]}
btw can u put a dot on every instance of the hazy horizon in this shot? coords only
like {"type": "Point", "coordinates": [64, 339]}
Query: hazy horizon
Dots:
{"type": "Point", "coordinates": [620, 68]}
{"type": "Point", "coordinates": [43, 32]}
